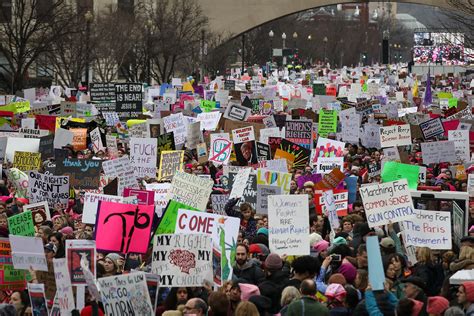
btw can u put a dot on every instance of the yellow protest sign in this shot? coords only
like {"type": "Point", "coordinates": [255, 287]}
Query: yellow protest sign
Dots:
{"type": "Point", "coordinates": [26, 161]}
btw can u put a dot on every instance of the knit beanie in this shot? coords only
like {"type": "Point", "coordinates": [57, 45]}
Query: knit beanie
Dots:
{"type": "Point", "coordinates": [335, 291]}
{"type": "Point", "coordinates": [114, 257]}
{"type": "Point", "coordinates": [314, 238]}
{"type": "Point", "coordinates": [469, 288]}
{"type": "Point", "coordinates": [247, 291]}
{"type": "Point", "coordinates": [263, 230]}
{"type": "Point", "coordinates": [416, 307]}
{"type": "Point", "coordinates": [337, 278]}
{"type": "Point", "coordinates": [437, 305]}
{"type": "Point", "coordinates": [259, 248]}
{"type": "Point", "coordinates": [321, 245]}
{"type": "Point", "coordinates": [273, 262]}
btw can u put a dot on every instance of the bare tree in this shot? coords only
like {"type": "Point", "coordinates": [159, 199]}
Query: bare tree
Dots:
{"type": "Point", "coordinates": [29, 29]}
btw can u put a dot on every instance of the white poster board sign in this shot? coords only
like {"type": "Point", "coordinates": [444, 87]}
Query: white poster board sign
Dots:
{"type": "Point", "coordinates": [428, 229]}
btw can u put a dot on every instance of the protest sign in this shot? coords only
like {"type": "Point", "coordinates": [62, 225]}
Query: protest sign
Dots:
{"type": "Point", "coordinates": [62, 137]}
{"type": "Point", "coordinates": [330, 208]}
{"type": "Point", "coordinates": [143, 157]}
{"type": "Point", "coordinates": [182, 260]}
{"type": "Point", "coordinates": [96, 140]}
{"type": "Point", "coordinates": [20, 144]}
{"type": "Point", "coordinates": [299, 132]}
{"type": "Point", "coordinates": [250, 192]}
{"type": "Point", "coordinates": [46, 147]}
{"type": "Point", "coordinates": [91, 202]}
{"type": "Point", "coordinates": [328, 148]}
{"type": "Point", "coordinates": [241, 135]}
{"type": "Point", "coordinates": [269, 132]}
{"type": "Point", "coordinates": [64, 288]}
{"type": "Point", "coordinates": [28, 252]}
{"type": "Point", "coordinates": [134, 223]}
{"type": "Point", "coordinates": [122, 169]}
{"type": "Point", "coordinates": [190, 190]}
{"type": "Point", "coordinates": [161, 191]}
{"type": "Point", "coordinates": [263, 151]}
{"type": "Point", "coordinates": [26, 161]}
{"type": "Point", "coordinates": [432, 128]}
{"type": "Point", "coordinates": [374, 169]}
{"type": "Point", "coordinates": [274, 178]}
{"type": "Point", "coordinates": [218, 203]}
{"type": "Point", "coordinates": [325, 165]}
{"type": "Point", "coordinates": [263, 192]}
{"type": "Point", "coordinates": [461, 144]}
{"type": "Point", "coordinates": [38, 299]}
{"type": "Point", "coordinates": [393, 170]}
{"type": "Point", "coordinates": [327, 122]}
{"type": "Point", "coordinates": [39, 212]}
{"type": "Point", "coordinates": [387, 202]}
{"type": "Point", "coordinates": [237, 112]}
{"type": "Point", "coordinates": [20, 182]}
{"type": "Point", "coordinates": [220, 149]}
{"type": "Point", "coordinates": [302, 155]}
{"type": "Point", "coordinates": [165, 143]}
{"type": "Point", "coordinates": [175, 123]}
{"type": "Point", "coordinates": [78, 254]}
{"type": "Point", "coordinates": [125, 295]}
{"type": "Point", "coordinates": [350, 126]}
{"type": "Point", "coordinates": [33, 133]}
{"type": "Point", "coordinates": [274, 165]}
{"type": "Point", "coordinates": [79, 139]}
{"type": "Point", "coordinates": [240, 182]}
{"type": "Point", "coordinates": [102, 91]}
{"type": "Point", "coordinates": [396, 135]}
{"type": "Point", "coordinates": [83, 173]}
{"type": "Point", "coordinates": [171, 161]}
{"type": "Point", "coordinates": [128, 99]}
{"type": "Point", "coordinates": [436, 152]}
{"type": "Point", "coordinates": [288, 222]}
{"type": "Point", "coordinates": [193, 136]}
{"type": "Point", "coordinates": [10, 278]}
{"type": "Point", "coordinates": [470, 184]}
{"type": "Point", "coordinates": [143, 197]}
{"type": "Point", "coordinates": [224, 231]}
{"type": "Point", "coordinates": [167, 223]}
{"type": "Point", "coordinates": [376, 270]}
{"type": "Point", "coordinates": [45, 187]}
{"type": "Point", "coordinates": [428, 229]}
{"type": "Point", "coordinates": [208, 121]}
{"type": "Point", "coordinates": [21, 224]}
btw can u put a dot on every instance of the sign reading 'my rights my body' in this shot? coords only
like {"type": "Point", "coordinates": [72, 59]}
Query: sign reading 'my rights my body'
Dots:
{"type": "Point", "coordinates": [387, 202]}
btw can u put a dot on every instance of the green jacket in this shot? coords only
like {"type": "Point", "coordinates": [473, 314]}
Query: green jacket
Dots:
{"type": "Point", "coordinates": [307, 306]}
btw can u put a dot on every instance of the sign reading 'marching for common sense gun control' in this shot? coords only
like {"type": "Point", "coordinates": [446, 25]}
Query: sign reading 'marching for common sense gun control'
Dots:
{"type": "Point", "coordinates": [387, 202]}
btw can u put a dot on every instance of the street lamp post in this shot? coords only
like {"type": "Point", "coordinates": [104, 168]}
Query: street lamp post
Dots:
{"type": "Point", "coordinates": [295, 36]}
{"type": "Point", "coordinates": [88, 17]}
{"type": "Point", "coordinates": [243, 53]}
{"type": "Point", "coordinates": [342, 50]}
{"type": "Point", "coordinates": [271, 34]}
{"type": "Point", "coordinates": [283, 37]}
{"type": "Point", "coordinates": [325, 40]}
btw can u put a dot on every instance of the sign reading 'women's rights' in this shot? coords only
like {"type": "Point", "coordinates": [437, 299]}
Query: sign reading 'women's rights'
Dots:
{"type": "Point", "coordinates": [288, 222]}
{"type": "Point", "coordinates": [387, 202]}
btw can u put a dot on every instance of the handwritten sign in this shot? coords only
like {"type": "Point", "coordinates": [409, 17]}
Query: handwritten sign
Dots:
{"type": "Point", "coordinates": [190, 190]}
{"type": "Point", "coordinates": [161, 191]}
{"type": "Point", "coordinates": [123, 170]}
{"type": "Point", "coordinates": [288, 222]}
{"type": "Point", "coordinates": [63, 286]}
{"type": "Point", "coordinates": [218, 203]}
{"type": "Point", "coordinates": [21, 224]}
{"type": "Point", "coordinates": [327, 122]}
{"type": "Point", "coordinates": [143, 156]}
{"type": "Point", "coordinates": [131, 224]}
{"type": "Point", "coordinates": [269, 177]}
{"type": "Point", "coordinates": [263, 192]}
{"type": "Point", "coordinates": [242, 135]}
{"type": "Point", "coordinates": [182, 259]}
{"type": "Point", "coordinates": [175, 123]}
{"type": "Point", "coordinates": [436, 152]}
{"type": "Point", "coordinates": [171, 161]}
{"type": "Point", "coordinates": [143, 197]}
{"type": "Point", "coordinates": [83, 173]}
{"type": "Point", "coordinates": [44, 187]}
{"type": "Point", "coordinates": [428, 229]}
{"type": "Point", "coordinates": [240, 182]}
{"type": "Point", "coordinates": [28, 252]}
{"type": "Point", "coordinates": [127, 293]}
{"type": "Point", "coordinates": [220, 149]}
{"type": "Point", "coordinates": [396, 135]}
{"type": "Point", "coordinates": [387, 202]}
{"type": "Point", "coordinates": [91, 202]}
{"type": "Point", "coordinates": [26, 161]}
{"type": "Point", "coordinates": [461, 144]}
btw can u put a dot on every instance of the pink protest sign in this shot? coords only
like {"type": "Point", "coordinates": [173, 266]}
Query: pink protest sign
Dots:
{"type": "Point", "coordinates": [123, 228]}
{"type": "Point", "coordinates": [144, 197]}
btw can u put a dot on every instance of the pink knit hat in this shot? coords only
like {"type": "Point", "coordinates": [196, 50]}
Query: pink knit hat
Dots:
{"type": "Point", "coordinates": [321, 245]}
{"type": "Point", "coordinates": [416, 308]}
{"type": "Point", "coordinates": [437, 305]}
{"type": "Point", "coordinates": [248, 290]}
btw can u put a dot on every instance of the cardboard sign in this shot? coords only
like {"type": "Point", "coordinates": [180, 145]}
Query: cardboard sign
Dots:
{"type": "Point", "coordinates": [396, 135]}
{"type": "Point", "coordinates": [143, 156]}
{"type": "Point", "coordinates": [274, 178]}
{"type": "Point", "coordinates": [395, 171]}
{"type": "Point", "coordinates": [128, 99]}
{"type": "Point", "coordinates": [288, 222]}
{"type": "Point", "coordinates": [240, 182]}
{"type": "Point", "coordinates": [39, 212]}
{"type": "Point", "coordinates": [135, 302]}
{"type": "Point", "coordinates": [182, 260]}
{"type": "Point", "coordinates": [21, 224]}
{"type": "Point", "coordinates": [223, 230]}
{"type": "Point", "coordinates": [387, 202]}
{"type": "Point", "coordinates": [143, 197]}
{"type": "Point", "coordinates": [53, 189]}
{"type": "Point", "coordinates": [432, 128]}
{"type": "Point", "coordinates": [190, 190]}
{"type": "Point", "coordinates": [122, 169]}
{"type": "Point", "coordinates": [327, 122]}
{"type": "Point", "coordinates": [91, 202]}
{"type": "Point", "coordinates": [428, 229]}
{"type": "Point", "coordinates": [79, 140]}
{"type": "Point", "coordinates": [242, 135]}
{"type": "Point", "coordinates": [171, 161]}
{"type": "Point", "coordinates": [175, 123]}
{"type": "Point", "coordinates": [193, 136]}
{"type": "Point", "coordinates": [131, 224]}
{"type": "Point", "coordinates": [263, 192]}
{"type": "Point", "coordinates": [83, 173]}
{"type": "Point", "coordinates": [209, 120]}
{"type": "Point", "coordinates": [436, 152]}
{"type": "Point", "coordinates": [302, 155]}
{"type": "Point", "coordinates": [220, 149]}
{"type": "Point", "coordinates": [26, 161]}
{"type": "Point", "coordinates": [461, 144]}
{"type": "Point", "coordinates": [38, 298]}
{"type": "Point", "coordinates": [218, 203]}
{"type": "Point", "coordinates": [78, 254]}
{"type": "Point", "coordinates": [161, 191]}
{"type": "Point", "coordinates": [62, 137]}
{"type": "Point", "coordinates": [28, 252]}
{"type": "Point", "coordinates": [46, 147]}
{"type": "Point", "coordinates": [250, 192]}
{"type": "Point", "coordinates": [325, 165]}
{"type": "Point", "coordinates": [299, 132]}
